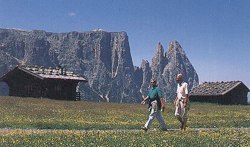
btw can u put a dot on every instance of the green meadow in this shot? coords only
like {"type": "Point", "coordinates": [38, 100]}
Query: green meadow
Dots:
{"type": "Point", "coordinates": [46, 122]}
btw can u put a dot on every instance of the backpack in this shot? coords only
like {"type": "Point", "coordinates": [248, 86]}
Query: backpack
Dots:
{"type": "Point", "coordinates": [157, 98]}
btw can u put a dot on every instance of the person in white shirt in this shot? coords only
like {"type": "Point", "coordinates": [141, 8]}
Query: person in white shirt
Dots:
{"type": "Point", "coordinates": [181, 102]}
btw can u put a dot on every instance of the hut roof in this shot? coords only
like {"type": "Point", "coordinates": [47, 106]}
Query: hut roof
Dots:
{"type": "Point", "coordinates": [48, 73]}
{"type": "Point", "coordinates": [215, 88]}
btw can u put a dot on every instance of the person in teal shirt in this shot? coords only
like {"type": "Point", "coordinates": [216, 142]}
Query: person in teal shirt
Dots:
{"type": "Point", "coordinates": [156, 105]}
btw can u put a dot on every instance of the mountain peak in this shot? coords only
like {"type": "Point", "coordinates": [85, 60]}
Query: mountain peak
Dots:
{"type": "Point", "coordinates": [159, 50]}
{"type": "Point", "coordinates": [158, 61]}
{"type": "Point", "coordinates": [98, 30]}
{"type": "Point", "coordinates": [174, 48]}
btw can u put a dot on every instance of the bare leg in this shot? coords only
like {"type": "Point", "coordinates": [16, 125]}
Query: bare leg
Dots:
{"type": "Point", "coordinates": [180, 120]}
{"type": "Point", "coordinates": [184, 124]}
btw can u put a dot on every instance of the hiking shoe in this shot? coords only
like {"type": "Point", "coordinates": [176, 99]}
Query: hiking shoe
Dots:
{"type": "Point", "coordinates": [184, 126]}
{"type": "Point", "coordinates": [164, 129]}
{"type": "Point", "coordinates": [181, 126]}
{"type": "Point", "coordinates": [145, 129]}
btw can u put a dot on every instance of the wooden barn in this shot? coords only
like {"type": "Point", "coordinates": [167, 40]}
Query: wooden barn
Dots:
{"type": "Point", "coordinates": [34, 81]}
{"type": "Point", "coordinates": [230, 92]}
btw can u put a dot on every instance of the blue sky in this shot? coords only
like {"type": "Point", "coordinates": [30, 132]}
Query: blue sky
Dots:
{"type": "Point", "coordinates": [215, 34]}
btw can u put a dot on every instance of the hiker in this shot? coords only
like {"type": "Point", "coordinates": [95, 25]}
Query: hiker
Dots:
{"type": "Point", "coordinates": [181, 102]}
{"type": "Point", "coordinates": [156, 105]}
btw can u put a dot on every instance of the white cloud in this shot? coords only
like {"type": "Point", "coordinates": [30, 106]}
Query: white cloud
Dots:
{"type": "Point", "coordinates": [72, 14]}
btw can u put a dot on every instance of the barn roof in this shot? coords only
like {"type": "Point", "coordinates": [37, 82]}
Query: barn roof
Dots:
{"type": "Point", "coordinates": [215, 88]}
{"type": "Point", "coordinates": [48, 73]}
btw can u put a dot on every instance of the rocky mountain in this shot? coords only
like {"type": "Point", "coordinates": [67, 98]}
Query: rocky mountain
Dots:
{"type": "Point", "coordinates": [165, 67]}
{"type": "Point", "coordinates": [102, 57]}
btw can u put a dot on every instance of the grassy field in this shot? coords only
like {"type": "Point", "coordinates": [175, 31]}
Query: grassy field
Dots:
{"type": "Point", "coordinates": [78, 123]}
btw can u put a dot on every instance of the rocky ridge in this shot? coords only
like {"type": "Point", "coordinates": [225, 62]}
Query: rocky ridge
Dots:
{"type": "Point", "coordinates": [104, 58]}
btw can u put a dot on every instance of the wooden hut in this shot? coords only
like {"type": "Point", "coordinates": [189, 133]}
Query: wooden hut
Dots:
{"type": "Point", "coordinates": [230, 92]}
{"type": "Point", "coordinates": [34, 81]}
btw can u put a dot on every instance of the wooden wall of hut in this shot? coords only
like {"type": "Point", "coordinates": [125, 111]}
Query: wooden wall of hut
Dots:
{"type": "Point", "coordinates": [59, 89]}
{"type": "Point", "coordinates": [27, 85]}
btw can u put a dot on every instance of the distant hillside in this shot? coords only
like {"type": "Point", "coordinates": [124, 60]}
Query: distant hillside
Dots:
{"type": "Point", "coordinates": [103, 57]}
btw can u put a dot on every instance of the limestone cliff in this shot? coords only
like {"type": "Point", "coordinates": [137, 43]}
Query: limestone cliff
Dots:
{"type": "Point", "coordinates": [104, 58]}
